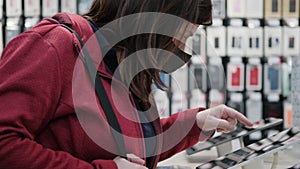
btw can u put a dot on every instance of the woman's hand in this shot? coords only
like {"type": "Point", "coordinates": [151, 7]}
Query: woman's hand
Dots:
{"type": "Point", "coordinates": [220, 118]}
{"type": "Point", "coordinates": [132, 162]}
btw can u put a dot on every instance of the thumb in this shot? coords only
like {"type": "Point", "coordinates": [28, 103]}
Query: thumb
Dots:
{"type": "Point", "coordinates": [225, 125]}
{"type": "Point", "coordinates": [135, 159]}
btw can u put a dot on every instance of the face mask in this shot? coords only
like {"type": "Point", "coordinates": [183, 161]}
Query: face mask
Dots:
{"type": "Point", "coordinates": [176, 60]}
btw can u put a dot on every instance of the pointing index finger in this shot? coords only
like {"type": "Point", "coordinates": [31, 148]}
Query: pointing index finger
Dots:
{"type": "Point", "coordinates": [240, 117]}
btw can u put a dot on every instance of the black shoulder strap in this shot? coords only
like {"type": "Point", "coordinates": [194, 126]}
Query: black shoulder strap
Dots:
{"type": "Point", "coordinates": [102, 96]}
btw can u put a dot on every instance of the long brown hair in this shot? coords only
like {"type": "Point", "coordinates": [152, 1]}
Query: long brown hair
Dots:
{"type": "Point", "coordinates": [105, 11]}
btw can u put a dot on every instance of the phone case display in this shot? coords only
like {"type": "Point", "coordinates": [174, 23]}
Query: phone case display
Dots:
{"type": "Point", "coordinates": [255, 151]}
{"type": "Point", "coordinates": [273, 8]}
{"type": "Point", "coordinates": [162, 103]}
{"type": "Point", "coordinates": [296, 90]}
{"type": "Point", "coordinates": [236, 41]}
{"type": "Point", "coordinates": [198, 78]}
{"type": "Point", "coordinates": [189, 46]}
{"type": "Point", "coordinates": [1, 10]}
{"type": "Point", "coordinates": [179, 79]}
{"type": "Point", "coordinates": [13, 8]}
{"type": "Point", "coordinates": [254, 75]}
{"type": "Point", "coordinates": [219, 10]}
{"type": "Point", "coordinates": [236, 8]}
{"type": "Point", "coordinates": [199, 43]}
{"type": "Point", "coordinates": [291, 41]}
{"type": "Point", "coordinates": [50, 7]}
{"type": "Point", "coordinates": [216, 98]}
{"type": "Point", "coordinates": [288, 115]}
{"type": "Point", "coordinates": [254, 111]}
{"type": "Point", "coordinates": [30, 22]}
{"type": "Point", "coordinates": [216, 41]}
{"type": "Point", "coordinates": [272, 81]}
{"type": "Point", "coordinates": [197, 99]}
{"type": "Point", "coordinates": [12, 29]}
{"type": "Point", "coordinates": [273, 108]}
{"type": "Point", "coordinates": [254, 45]}
{"type": "Point", "coordinates": [32, 8]}
{"type": "Point", "coordinates": [290, 8]}
{"type": "Point", "coordinates": [286, 78]}
{"type": "Point", "coordinates": [254, 107]}
{"type": "Point", "coordinates": [235, 76]}
{"type": "Point", "coordinates": [84, 5]}
{"type": "Point", "coordinates": [68, 6]}
{"type": "Point", "coordinates": [273, 41]}
{"type": "Point", "coordinates": [241, 131]}
{"type": "Point", "coordinates": [254, 8]}
{"type": "Point", "coordinates": [216, 75]}
{"type": "Point", "coordinates": [179, 102]}
{"type": "Point", "coordinates": [236, 101]}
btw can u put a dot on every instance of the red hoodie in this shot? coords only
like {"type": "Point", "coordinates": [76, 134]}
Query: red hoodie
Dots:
{"type": "Point", "coordinates": [38, 124]}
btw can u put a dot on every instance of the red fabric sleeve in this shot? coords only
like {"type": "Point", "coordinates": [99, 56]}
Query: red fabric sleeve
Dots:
{"type": "Point", "coordinates": [30, 87]}
{"type": "Point", "coordinates": [185, 120]}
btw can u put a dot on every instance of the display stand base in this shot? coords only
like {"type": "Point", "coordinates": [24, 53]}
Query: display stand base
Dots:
{"type": "Point", "coordinates": [224, 148]}
{"type": "Point", "coordinates": [256, 164]}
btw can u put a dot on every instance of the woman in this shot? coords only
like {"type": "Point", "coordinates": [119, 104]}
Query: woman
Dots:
{"type": "Point", "coordinates": [47, 117]}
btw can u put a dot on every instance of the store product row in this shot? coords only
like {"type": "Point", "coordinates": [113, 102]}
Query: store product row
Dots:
{"type": "Point", "coordinates": [257, 90]}
{"type": "Point", "coordinates": [17, 16]}
{"type": "Point", "coordinates": [237, 66]}
{"type": "Point", "coordinates": [256, 9]}
{"type": "Point", "coordinates": [20, 15]}
{"type": "Point", "coordinates": [221, 8]}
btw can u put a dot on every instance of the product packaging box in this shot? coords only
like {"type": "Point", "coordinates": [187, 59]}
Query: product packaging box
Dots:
{"type": "Point", "coordinates": [236, 8]}
{"type": "Point", "coordinates": [219, 10]}
{"type": "Point", "coordinates": [199, 43]}
{"type": "Point", "coordinates": [216, 41]}
{"type": "Point", "coordinates": [179, 79]}
{"type": "Point", "coordinates": [288, 115]}
{"type": "Point", "coordinates": [296, 90]}
{"type": "Point", "coordinates": [1, 10]}
{"type": "Point", "coordinates": [255, 9]}
{"type": "Point", "coordinates": [32, 8]}
{"type": "Point", "coordinates": [215, 98]}
{"type": "Point", "coordinates": [235, 76]}
{"type": "Point", "coordinates": [50, 7]}
{"type": "Point", "coordinates": [236, 101]}
{"type": "Point", "coordinates": [254, 75]}
{"type": "Point", "coordinates": [216, 75]}
{"type": "Point", "coordinates": [291, 41]}
{"type": "Point", "coordinates": [273, 8]}
{"type": "Point", "coordinates": [273, 41]}
{"type": "Point", "coordinates": [286, 79]}
{"type": "Point", "coordinates": [236, 41]}
{"type": "Point", "coordinates": [254, 45]}
{"type": "Point", "coordinates": [83, 6]}
{"type": "Point", "coordinates": [254, 107]}
{"type": "Point", "coordinates": [179, 102]}
{"type": "Point", "coordinates": [13, 8]}
{"type": "Point", "coordinates": [290, 8]}
{"type": "Point", "coordinates": [197, 99]}
{"type": "Point", "coordinates": [68, 6]}
{"type": "Point", "coordinates": [273, 78]}
{"type": "Point", "coordinates": [198, 78]}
